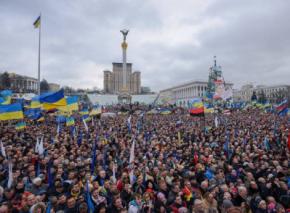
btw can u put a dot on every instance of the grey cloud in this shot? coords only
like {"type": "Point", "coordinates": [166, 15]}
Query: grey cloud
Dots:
{"type": "Point", "coordinates": [81, 38]}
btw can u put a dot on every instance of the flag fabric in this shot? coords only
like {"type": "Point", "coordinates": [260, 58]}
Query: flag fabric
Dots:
{"type": "Point", "coordinates": [165, 112]}
{"type": "Point", "coordinates": [53, 100]}
{"type": "Point", "coordinates": [33, 113]}
{"type": "Point", "coordinates": [131, 162]}
{"type": "Point", "coordinates": [41, 118]}
{"type": "Point", "coordinates": [227, 112]}
{"type": "Point", "coordinates": [80, 138]}
{"type": "Point", "coordinates": [60, 119]}
{"type": "Point", "coordinates": [2, 149]}
{"type": "Point", "coordinates": [86, 117]}
{"type": "Point", "coordinates": [58, 128]}
{"type": "Point", "coordinates": [20, 126]}
{"type": "Point", "coordinates": [96, 110]}
{"type": "Point", "coordinates": [35, 102]}
{"type": "Point", "coordinates": [39, 146]}
{"type": "Point", "coordinates": [48, 208]}
{"type": "Point", "coordinates": [36, 24]}
{"type": "Point", "coordinates": [282, 108]}
{"type": "Point", "coordinates": [72, 104]}
{"type": "Point", "coordinates": [5, 97]}
{"type": "Point", "coordinates": [114, 174]}
{"type": "Point", "coordinates": [86, 126]}
{"type": "Point", "coordinates": [84, 112]}
{"type": "Point", "coordinates": [89, 201]}
{"type": "Point", "coordinates": [179, 137]}
{"type": "Point", "coordinates": [209, 174]}
{"type": "Point", "coordinates": [197, 107]}
{"type": "Point", "coordinates": [10, 175]}
{"type": "Point", "coordinates": [129, 124]}
{"type": "Point", "coordinates": [187, 193]}
{"type": "Point", "coordinates": [11, 112]}
{"type": "Point", "coordinates": [216, 122]}
{"type": "Point", "coordinates": [70, 121]}
{"type": "Point", "coordinates": [266, 143]}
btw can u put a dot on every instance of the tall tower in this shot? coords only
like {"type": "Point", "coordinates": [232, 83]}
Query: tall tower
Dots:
{"type": "Point", "coordinates": [215, 76]}
{"type": "Point", "coordinates": [124, 48]}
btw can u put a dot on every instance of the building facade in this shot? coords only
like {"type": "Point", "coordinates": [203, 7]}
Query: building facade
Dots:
{"type": "Point", "coordinates": [53, 87]}
{"type": "Point", "coordinates": [22, 84]}
{"type": "Point", "coordinates": [113, 81]}
{"type": "Point", "coordinates": [273, 94]}
{"type": "Point", "coordinates": [185, 92]}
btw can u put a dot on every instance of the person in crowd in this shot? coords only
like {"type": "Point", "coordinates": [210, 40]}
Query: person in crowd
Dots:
{"type": "Point", "coordinates": [179, 164]}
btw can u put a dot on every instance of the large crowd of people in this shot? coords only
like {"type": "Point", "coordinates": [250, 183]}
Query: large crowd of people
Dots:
{"type": "Point", "coordinates": [176, 163]}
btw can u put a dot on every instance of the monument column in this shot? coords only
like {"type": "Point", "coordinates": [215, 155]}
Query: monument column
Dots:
{"type": "Point", "coordinates": [124, 48]}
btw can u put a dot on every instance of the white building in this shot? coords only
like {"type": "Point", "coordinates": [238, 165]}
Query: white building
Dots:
{"type": "Point", "coordinates": [273, 93]}
{"type": "Point", "coordinates": [185, 92]}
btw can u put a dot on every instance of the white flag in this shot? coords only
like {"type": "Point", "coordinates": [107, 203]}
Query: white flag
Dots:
{"type": "Point", "coordinates": [216, 122]}
{"type": "Point", "coordinates": [2, 149]}
{"type": "Point", "coordinates": [58, 129]}
{"type": "Point", "coordinates": [86, 126]}
{"type": "Point", "coordinates": [131, 160]}
{"type": "Point", "coordinates": [114, 173]}
{"type": "Point", "coordinates": [10, 175]}
{"type": "Point", "coordinates": [40, 147]}
{"type": "Point", "coordinates": [36, 145]}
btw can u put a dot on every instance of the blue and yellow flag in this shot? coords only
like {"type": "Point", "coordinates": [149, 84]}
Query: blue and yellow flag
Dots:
{"type": "Point", "coordinates": [86, 117]}
{"type": "Point", "coordinates": [20, 125]}
{"type": "Point", "coordinates": [41, 118]}
{"type": "Point", "coordinates": [72, 104]}
{"type": "Point", "coordinates": [5, 97]}
{"type": "Point", "coordinates": [165, 111]}
{"type": "Point", "coordinates": [11, 112]}
{"type": "Point", "coordinates": [36, 24]}
{"type": "Point", "coordinates": [84, 112]}
{"type": "Point", "coordinates": [53, 100]}
{"type": "Point", "coordinates": [96, 110]}
{"type": "Point", "coordinates": [70, 121]}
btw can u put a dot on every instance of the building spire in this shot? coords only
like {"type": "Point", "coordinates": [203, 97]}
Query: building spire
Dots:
{"type": "Point", "coordinates": [214, 58]}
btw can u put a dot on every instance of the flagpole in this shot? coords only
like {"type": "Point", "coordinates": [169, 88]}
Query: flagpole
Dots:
{"type": "Point", "coordinates": [39, 57]}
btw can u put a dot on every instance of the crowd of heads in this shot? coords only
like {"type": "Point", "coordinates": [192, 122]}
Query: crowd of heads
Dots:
{"type": "Point", "coordinates": [180, 164]}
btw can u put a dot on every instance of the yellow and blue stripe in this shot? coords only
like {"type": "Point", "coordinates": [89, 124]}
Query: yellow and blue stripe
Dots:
{"type": "Point", "coordinates": [96, 111]}
{"type": "Point", "coordinates": [53, 100]}
{"type": "Point", "coordinates": [5, 97]}
{"type": "Point", "coordinates": [11, 112]}
{"type": "Point", "coordinates": [20, 125]}
{"type": "Point", "coordinates": [70, 121]}
{"type": "Point", "coordinates": [72, 104]}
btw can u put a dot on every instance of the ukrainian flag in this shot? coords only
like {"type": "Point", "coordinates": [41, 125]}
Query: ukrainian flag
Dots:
{"type": "Point", "coordinates": [41, 118]}
{"type": "Point", "coordinates": [96, 111]}
{"type": "Point", "coordinates": [10, 112]}
{"type": "Point", "coordinates": [86, 117]}
{"type": "Point", "coordinates": [36, 24]}
{"type": "Point", "coordinates": [197, 108]}
{"type": "Point", "coordinates": [53, 100]}
{"type": "Point", "coordinates": [20, 125]}
{"type": "Point", "coordinates": [165, 112]}
{"type": "Point", "coordinates": [70, 121]}
{"type": "Point", "coordinates": [84, 112]}
{"type": "Point", "coordinates": [72, 104]}
{"type": "Point", "coordinates": [5, 97]}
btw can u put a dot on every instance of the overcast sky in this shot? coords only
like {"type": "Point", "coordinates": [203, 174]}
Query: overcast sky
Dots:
{"type": "Point", "coordinates": [170, 41]}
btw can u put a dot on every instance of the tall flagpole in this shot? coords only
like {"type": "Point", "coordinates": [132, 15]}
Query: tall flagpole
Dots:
{"type": "Point", "coordinates": [39, 56]}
